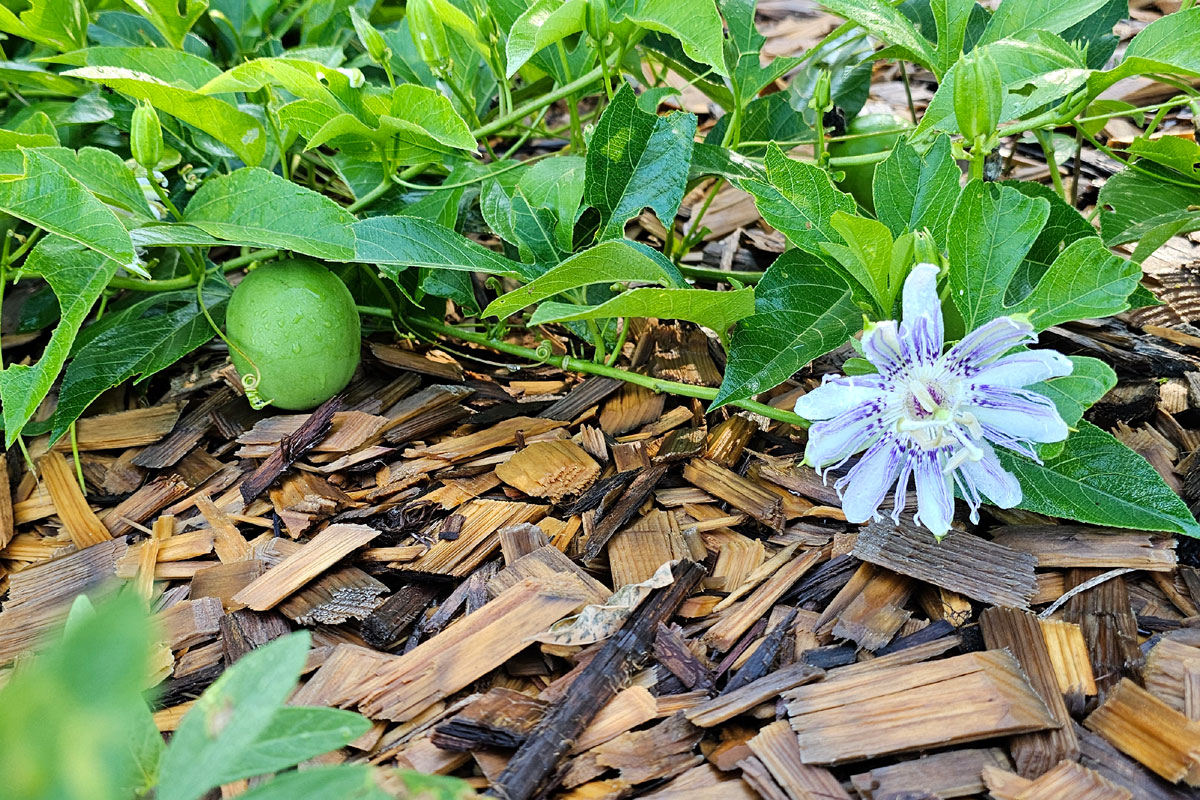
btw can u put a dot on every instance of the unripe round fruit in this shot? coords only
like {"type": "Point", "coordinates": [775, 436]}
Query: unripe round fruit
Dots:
{"type": "Point", "coordinates": [860, 176]}
{"type": "Point", "coordinates": [296, 321]}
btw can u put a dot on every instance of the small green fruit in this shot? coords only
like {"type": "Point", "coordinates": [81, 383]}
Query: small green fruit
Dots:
{"type": "Point", "coordinates": [873, 133]}
{"type": "Point", "coordinates": [296, 321]}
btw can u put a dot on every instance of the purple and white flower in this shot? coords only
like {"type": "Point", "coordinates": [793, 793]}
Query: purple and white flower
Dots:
{"type": "Point", "coordinates": [933, 417]}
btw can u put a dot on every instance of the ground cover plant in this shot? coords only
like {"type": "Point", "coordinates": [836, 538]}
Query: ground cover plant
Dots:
{"type": "Point", "coordinates": [505, 178]}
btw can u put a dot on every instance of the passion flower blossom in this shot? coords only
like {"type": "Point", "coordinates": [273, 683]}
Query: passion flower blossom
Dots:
{"type": "Point", "coordinates": [933, 417]}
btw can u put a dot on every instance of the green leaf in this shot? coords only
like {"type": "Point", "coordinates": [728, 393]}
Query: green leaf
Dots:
{"type": "Point", "coordinates": [166, 16]}
{"type": "Point", "coordinates": [175, 67]}
{"type": "Point", "coordinates": [714, 310]}
{"type": "Point", "coordinates": [258, 208]}
{"type": "Point", "coordinates": [764, 119]}
{"type": "Point", "coordinates": [344, 781]}
{"type": "Point", "coordinates": [33, 76]}
{"type": "Point", "coordinates": [1073, 394]}
{"type": "Point", "coordinates": [952, 20]}
{"type": "Point", "coordinates": [544, 23]}
{"type": "Point", "coordinates": [58, 24]}
{"type": "Point", "coordinates": [137, 347]}
{"type": "Point", "coordinates": [295, 734]}
{"type": "Point", "coordinates": [1147, 205]}
{"type": "Point", "coordinates": [804, 310]}
{"type": "Point", "coordinates": [106, 176]}
{"type": "Point", "coordinates": [516, 221]}
{"type": "Point", "coordinates": [635, 160]}
{"type": "Point", "coordinates": [557, 184]}
{"type": "Point", "coordinates": [237, 130]}
{"type": "Point", "coordinates": [798, 199]}
{"type": "Point", "coordinates": [71, 713]}
{"type": "Point", "coordinates": [1036, 69]}
{"type": "Point", "coordinates": [991, 230]}
{"type": "Point", "coordinates": [743, 50]}
{"type": "Point", "coordinates": [913, 191]}
{"type": "Point", "coordinates": [77, 276]}
{"type": "Point", "coordinates": [867, 256]}
{"type": "Point", "coordinates": [1167, 45]}
{"type": "Point", "coordinates": [1086, 280]}
{"type": "Point", "coordinates": [1174, 152]}
{"type": "Point", "coordinates": [1016, 16]}
{"type": "Point", "coordinates": [392, 242]}
{"type": "Point", "coordinates": [888, 24]}
{"type": "Point", "coordinates": [696, 25]}
{"type": "Point", "coordinates": [607, 262]}
{"type": "Point", "coordinates": [49, 197]}
{"type": "Point", "coordinates": [710, 159]}
{"type": "Point", "coordinates": [230, 716]}
{"type": "Point", "coordinates": [1099, 481]}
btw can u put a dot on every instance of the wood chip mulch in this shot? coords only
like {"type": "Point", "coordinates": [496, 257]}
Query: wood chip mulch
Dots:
{"type": "Point", "coordinates": [435, 524]}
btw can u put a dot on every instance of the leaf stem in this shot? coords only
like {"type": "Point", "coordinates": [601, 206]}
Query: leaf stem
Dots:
{"type": "Point", "coordinates": [538, 104]}
{"type": "Point", "coordinates": [1046, 141]}
{"type": "Point", "coordinates": [715, 274]}
{"type": "Point", "coordinates": [592, 368]}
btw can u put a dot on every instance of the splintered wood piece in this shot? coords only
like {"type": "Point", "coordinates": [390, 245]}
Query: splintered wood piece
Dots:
{"type": "Point", "coordinates": [547, 562]}
{"type": "Point", "coordinates": [123, 429]}
{"type": "Point", "coordinates": [583, 396]}
{"type": "Point", "coordinates": [143, 583]}
{"type": "Point", "coordinates": [291, 448]}
{"type": "Point", "coordinates": [1097, 754]}
{"type": "Point", "coordinates": [242, 631]}
{"type": "Point", "coordinates": [901, 709]}
{"type": "Point", "coordinates": [323, 551]}
{"type": "Point", "coordinates": [672, 652]}
{"type": "Point", "coordinates": [680, 445]}
{"type": "Point", "coordinates": [1171, 668]}
{"type": "Point", "coordinates": [776, 747]}
{"type": "Point", "coordinates": [955, 773]}
{"type": "Point", "coordinates": [437, 364]}
{"type": "Point", "coordinates": [629, 708]}
{"type": "Point", "coordinates": [338, 595]}
{"type": "Point", "coordinates": [478, 538]}
{"type": "Point", "coordinates": [632, 407]}
{"type": "Point", "coordinates": [737, 621]}
{"type": "Point", "coordinates": [969, 565]}
{"type": "Point", "coordinates": [186, 434]}
{"type": "Point", "coordinates": [1069, 779]}
{"type": "Point", "coordinates": [227, 540]}
{"type": "Point", "coordinates": [517, 541]}
{"type": "Point", "coordinates": [552, 470]}
{"type": "Point", "coordinates": [876, 611]}
{"type": "Point", "coordinates": [755, 773]}
{"type": "Point", "coordinates": [1145, 728]}
{"type": "Point", "coordinates": [478, 643]}
{"type": "Point", "coordinates": [1061, 546]}
{"type": "Point", "coordinates": [727, 706]}
{"type": "Point", "coordinates": [742, 494]}
{"type": "Point", "coordinates": [143, 504]}
{"type": "Point", "coordinates": [728, 441]}
{"type": "Point", "coordinates": [193, 544]}
{"type": "Point", "coordinates": [1019, 632]}
{"type": "Point", "coordinates": [223, 581]}
{"type": "Point", "coordinates": [659, 752]}
{"type": "Point", "coordinates": [501, 718]}
{"type": "Point", "coordinates": [502, 434]}
{"type": "Point", "coordinates": [1002, 784]}
{"type": "Point", "coordinates": [622, 510]}
{"type": "Point", "coordinates": [640, 549]}
{"type": "Point", "coordinates": [1068, 654]}
{"type": "Point", "coordinates": [387, 625]}
{"type": "Point", "coordinates": [7, 522]}
{"type": "Point", "coordinates": [629, 456]}
{"type": "Point", "coordinates": [704, 782]}
{"type": "Point", "coordinates": [78, 519]}
{"type": "Point", "coordinates": [1109, 627]}
{"type": "Point", "coordinates": [190, 622]}
{"type": "Point", "coordinates": [591, 689]}
{"type": "Point", "coordinates": [338, 681]}
{"type": "Point", "coordinates": [303, 499]}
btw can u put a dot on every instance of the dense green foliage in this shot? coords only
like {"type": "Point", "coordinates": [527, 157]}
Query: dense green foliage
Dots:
{"type": "Point", "coordinates": [150, 149]}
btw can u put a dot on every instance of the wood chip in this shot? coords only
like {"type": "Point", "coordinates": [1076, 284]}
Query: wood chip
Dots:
{"type": "Point", "coordinates": [325, 550]}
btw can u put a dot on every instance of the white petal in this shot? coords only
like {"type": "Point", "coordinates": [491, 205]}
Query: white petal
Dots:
{"type": "Point", "coordinates": [922, 330]}
{"type": "Point", "coordinates": [870, 479]}
{"type": "Point", "coordinates": [881, 346]}
{"type": "Point", "coordinates": [993, 481]}
{"type": "Point", "coordinates": [833, 441]}
{"type": "Point", "coordinates": [1024, 369]}
{"type": "Point", "coordinates": [935, 494]}
{"type": "Point", "coordinates": [838, 395]}
{"type": "Point", "coordinates": [987, 343]}
{"type": "Point", "coordinates": [1018, 413]}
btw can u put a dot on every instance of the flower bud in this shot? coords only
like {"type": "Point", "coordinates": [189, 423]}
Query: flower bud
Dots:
{"type": "Point", "coordinates": [822, 97]}
{"type": "Point", "coordinates": [428, 32]}
{"type": "Point", "coordinates": [596, 19]}
{"type": "Point", "coordinates": [371, 39]}
{"type": "Point", "coordinates": [145, 137]}
{"type": "Point", "coordinates": [978, 95]}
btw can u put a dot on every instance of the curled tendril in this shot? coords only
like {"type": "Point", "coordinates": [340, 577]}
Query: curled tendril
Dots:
{"type": "Point", "coordinates": [493, 283]}
{"type": "Point", "coordinates": [250, 385]}
{"type": "Point", "coordinates": [544, 350]}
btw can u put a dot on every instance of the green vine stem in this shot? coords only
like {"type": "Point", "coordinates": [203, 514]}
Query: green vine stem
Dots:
{"type": "Point", "coordinates": [590, 367]}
